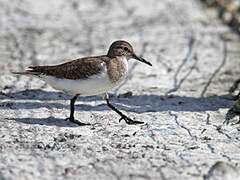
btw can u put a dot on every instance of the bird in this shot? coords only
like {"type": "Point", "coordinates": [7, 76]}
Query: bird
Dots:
{"type": "Point", "coordinates": [90, 76]}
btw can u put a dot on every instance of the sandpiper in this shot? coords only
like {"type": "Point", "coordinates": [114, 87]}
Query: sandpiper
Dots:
{"type": "Point", "coordinates": [90, 76]}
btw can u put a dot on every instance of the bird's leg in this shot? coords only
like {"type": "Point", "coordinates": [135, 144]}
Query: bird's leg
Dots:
{"type": "Point", "coordinates": [73, 100]}
{"type": "Point", "coordinates": [123, 116]}
{"type": "Point", "coordinates": [71, 118]}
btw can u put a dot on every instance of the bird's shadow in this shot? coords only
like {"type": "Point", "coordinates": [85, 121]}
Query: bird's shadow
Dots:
{"type": "Point", "coordinates": [50, 121]}
{"type": "Point", "coordinates": [127, 102]}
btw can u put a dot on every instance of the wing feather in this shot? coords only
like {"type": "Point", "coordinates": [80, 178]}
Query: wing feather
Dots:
{"type": "Point", "coordinates": [77, 69]}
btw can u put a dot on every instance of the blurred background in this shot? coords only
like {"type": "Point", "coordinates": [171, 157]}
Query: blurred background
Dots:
{"type": "Point", "coordinates": [167, 33]}
{"type": "Point", "coordinates": [184, 97]}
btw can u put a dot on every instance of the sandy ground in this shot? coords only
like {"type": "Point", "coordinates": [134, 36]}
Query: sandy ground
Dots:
{"type": "Point", "coordinates": [183, 99]}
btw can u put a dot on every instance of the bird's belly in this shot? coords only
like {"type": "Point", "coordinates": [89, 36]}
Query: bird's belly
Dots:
{"type": "Point", "coordinates": [94, 85]}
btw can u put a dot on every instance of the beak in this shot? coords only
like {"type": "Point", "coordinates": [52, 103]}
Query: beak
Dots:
{"type": "Point", "coordinates": [141, 59]}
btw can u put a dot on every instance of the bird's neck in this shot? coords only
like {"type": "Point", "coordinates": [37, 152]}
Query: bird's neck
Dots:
{"type": "Point", "coordinates": [118, 68]}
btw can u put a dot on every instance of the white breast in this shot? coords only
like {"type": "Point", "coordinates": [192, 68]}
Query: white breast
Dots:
{"type": "Point", "coordinates": [94, 85]}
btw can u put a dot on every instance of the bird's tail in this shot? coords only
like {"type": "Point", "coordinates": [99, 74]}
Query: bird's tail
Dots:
{"type": "Point", "coordinates": [28, 72]}
{"type": "Point", "coordinates": [25, 73]}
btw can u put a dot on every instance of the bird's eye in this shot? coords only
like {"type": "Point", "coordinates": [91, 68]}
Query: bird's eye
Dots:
{"type": "Point", "coordinates": [126, 49]}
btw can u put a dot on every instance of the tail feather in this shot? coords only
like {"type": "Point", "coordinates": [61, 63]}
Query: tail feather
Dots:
{"type": "Point", "coordinates": [27, 73]}
{"type": "Point", "coordinates": [33, 70]}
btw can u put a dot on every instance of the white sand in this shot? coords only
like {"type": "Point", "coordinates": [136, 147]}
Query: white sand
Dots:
{"type": "Point", "coordinates": [183, 98]}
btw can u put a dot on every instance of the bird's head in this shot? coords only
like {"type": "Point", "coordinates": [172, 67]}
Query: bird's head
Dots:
{"type": "Point", "coordinates": [123, 48]}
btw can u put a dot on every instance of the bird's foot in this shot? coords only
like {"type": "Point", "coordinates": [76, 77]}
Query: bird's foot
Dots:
{"type": "Point", "coordinates": [76, 121]}
{"type": "Point", "coordinates": [129, 120]}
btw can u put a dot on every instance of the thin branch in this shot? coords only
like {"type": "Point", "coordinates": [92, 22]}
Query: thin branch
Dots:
{"type": "Point", "coordinates": [177, 84]}
{"type": "Point", "coordinates": [217, 70]}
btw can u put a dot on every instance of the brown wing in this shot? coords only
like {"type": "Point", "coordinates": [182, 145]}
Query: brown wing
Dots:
{"type": "Point", "coordinates": [76, 69]}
